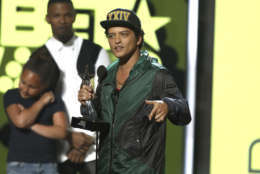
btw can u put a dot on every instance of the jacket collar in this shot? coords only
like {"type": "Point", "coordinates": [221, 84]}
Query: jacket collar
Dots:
{"type": "Point", "coordinates": [138, 69]}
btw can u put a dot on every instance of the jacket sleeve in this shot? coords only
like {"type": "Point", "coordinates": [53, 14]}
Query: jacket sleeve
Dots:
{"type": "Point", "coordinates": [165, 88]}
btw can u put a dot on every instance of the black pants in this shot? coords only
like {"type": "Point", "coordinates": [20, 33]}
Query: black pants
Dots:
{"type": "Point", "coordinates": [68, 167]}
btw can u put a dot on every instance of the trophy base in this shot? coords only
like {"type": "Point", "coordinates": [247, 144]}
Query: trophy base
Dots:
{"type": "Point", "coordinates": [91, 125]}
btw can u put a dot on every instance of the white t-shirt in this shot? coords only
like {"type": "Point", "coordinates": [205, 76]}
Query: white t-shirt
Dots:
{"type": "Point", "coordinates": [66, 56]}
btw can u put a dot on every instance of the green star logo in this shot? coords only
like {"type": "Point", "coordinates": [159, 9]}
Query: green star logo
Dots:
{"type": "Point", "coordinates": [151, 24]}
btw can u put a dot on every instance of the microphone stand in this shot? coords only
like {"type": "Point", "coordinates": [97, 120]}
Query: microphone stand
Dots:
{"type": "Point", "coordinates": [89, 120]}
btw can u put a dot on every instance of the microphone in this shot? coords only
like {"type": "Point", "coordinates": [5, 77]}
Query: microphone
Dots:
{"type": "Point", "coordinates": [101, 73]}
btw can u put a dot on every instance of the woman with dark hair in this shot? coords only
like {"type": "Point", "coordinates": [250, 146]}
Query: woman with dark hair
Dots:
{"type": "Point", "coordinates": [36, 117]}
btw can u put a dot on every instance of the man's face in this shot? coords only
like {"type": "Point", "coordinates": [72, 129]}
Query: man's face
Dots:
{"type": "Point", "coordinates": [123, 42]}
{"type": "Point", "coordinates": [61, 16]}
{"type": "Point", "coordinates": [30, 84]}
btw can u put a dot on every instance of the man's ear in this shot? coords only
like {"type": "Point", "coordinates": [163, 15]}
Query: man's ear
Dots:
{"type": "Point", "coordinates": [139, 40]}
{"type": "Point", "coordinates": [47, 19]}
{"type": "Point", "coordinates": [75, 15]}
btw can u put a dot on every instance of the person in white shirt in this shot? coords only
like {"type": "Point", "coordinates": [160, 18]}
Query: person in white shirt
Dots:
{"type": "Point", "coordinates": [78, 154]}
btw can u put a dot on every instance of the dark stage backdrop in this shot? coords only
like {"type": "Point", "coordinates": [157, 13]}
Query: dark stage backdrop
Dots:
{"type": "Point", "coordinates": [23, 29]}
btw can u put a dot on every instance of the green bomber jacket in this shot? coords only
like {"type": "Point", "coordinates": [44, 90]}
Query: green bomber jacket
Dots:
{"type": "Point", "coordinates": [133, 144]}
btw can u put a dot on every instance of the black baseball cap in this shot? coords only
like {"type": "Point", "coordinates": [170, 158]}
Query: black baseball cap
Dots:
{"type": "Point", "coordinates": [124, 18]}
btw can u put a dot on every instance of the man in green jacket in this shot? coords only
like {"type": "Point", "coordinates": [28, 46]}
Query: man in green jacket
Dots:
{"type": "Point", "coordinates": [135, 98]}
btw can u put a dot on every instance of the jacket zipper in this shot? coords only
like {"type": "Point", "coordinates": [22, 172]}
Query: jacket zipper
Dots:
{"type": "Point", "coordinates": [113, 121]}
{"type": "Point", "coordinates": [112, 132]}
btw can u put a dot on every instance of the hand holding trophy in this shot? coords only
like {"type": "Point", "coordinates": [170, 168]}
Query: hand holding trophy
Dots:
{"type": "Point", "coordinates": [87, 109]}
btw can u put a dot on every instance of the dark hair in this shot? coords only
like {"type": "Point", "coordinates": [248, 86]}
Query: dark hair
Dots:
{"type": "Point", "coordinates": [59, 1]}
{"type": "Point", "coordinates": [137, 34]}
{"type": "Point", "coordinates": [42, 63]}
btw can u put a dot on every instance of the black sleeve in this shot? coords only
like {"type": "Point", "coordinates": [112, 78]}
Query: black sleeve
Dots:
{"type": "Point", "coordinates": [88, 56]}
{"type": "Point", "coordinates": [10, 97]}
{"type": "Point", "coordinates": [58, 105]}
{"type": "Point", "coordinates": [165, 88]}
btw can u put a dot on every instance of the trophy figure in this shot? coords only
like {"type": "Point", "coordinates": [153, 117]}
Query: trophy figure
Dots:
{"type": "Point", "coordinates": [87, 110]}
